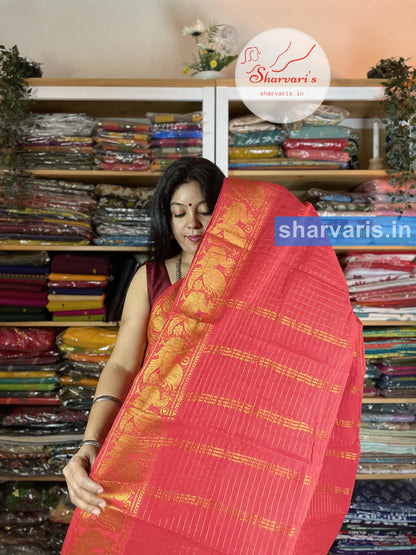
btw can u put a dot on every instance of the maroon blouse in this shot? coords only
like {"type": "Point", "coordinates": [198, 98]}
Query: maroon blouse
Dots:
{"type": "Point", "coordinates": [157, 279]}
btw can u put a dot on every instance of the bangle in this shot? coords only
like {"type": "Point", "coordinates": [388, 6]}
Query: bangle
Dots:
{"type": "Point", "coordinates": [90, 442]}
{"type": "Point", "coordinates": [107, 398]}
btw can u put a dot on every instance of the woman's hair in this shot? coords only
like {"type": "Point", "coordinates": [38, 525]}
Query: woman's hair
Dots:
{"type": "Point", "coordinates": [184, 170]}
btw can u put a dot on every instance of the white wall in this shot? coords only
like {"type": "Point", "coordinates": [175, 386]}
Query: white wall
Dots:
{"type": "Point", "coordinates": [142, 38]}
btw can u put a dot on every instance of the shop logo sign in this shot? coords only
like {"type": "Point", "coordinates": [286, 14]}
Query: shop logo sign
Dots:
{"type": "Point", "coordinates": [282, 75]}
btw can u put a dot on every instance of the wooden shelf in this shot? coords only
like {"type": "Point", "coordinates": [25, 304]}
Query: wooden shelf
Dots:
{"type": "Point", "coordinates": [140, 179]}
{"type": "Point", "coordinates": [77, 248]}
{"type": "Point", "coordinates": [388, 400]}
{"type": "Point", "coordinates": [410, 476]}
{"type": "Point", "coordinates": [388, 323]}
{"type": "Point", "coordinates": [300, 180]}
{"type": "Point", "coordinates": [63, 83]}
{"type": "Point", "coordinates": [375, 248]}
{"type": "Point", "coordinates": [51, 478]}
{"type": "Point", "coordinates": [343, 83]}
{"type": "Point", "coordinates": [52, 324]}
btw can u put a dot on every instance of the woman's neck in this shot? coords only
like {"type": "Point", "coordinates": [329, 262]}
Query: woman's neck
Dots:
{"type": "Point", "coordinates": [186, 258]}
{"type": "Point", "coordinates": [183, 264]}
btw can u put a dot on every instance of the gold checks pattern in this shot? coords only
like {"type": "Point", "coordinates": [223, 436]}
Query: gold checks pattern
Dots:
{"type": "Point", "coordinates": [291, 373]}
{"type": "Point", "coordinates": [337, 490]}
{"type": "Point", "coordinates": [342, 454]}
{"type": "Point", "coordinates": [258, 412]}
{"type": "Point", "coordinates": [238, 458]}
{"type": "Point", "coordinates": [290, 322]}
{"type": "Point", "coordinates": [352, 424]}
{"type": "Point", "coordinates": [230, 512]}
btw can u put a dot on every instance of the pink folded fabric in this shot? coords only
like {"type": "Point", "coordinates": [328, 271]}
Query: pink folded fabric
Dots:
{"type": "Point", "coordinates": [327, 144]}
{"type": "Point", "coordinates": [318, 154]}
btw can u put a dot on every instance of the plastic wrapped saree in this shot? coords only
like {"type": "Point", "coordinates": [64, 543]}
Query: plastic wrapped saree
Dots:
{"type": "Point", "coordinates": [240, 433]}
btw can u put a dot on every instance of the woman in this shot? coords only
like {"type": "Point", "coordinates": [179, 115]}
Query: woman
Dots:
{"type": "Point", "coordinates": [240, 432]}
{"type": "Point", "coordinates": [183, 203]}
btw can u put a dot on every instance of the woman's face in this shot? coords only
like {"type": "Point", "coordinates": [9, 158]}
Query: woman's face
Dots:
{"type": "Point", "coordinates": [189, 216]}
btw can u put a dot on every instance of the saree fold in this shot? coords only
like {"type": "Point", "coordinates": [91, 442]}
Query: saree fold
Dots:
{"type": "Point", "coordinates": [240, 432]}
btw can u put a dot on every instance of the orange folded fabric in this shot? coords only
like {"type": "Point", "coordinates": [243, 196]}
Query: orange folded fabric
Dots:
{"type": "Point", "coordinates": [240, 433]}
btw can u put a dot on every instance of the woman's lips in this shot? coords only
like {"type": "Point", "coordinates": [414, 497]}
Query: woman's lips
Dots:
{"type": "Point", "coordinates": [194, 238]}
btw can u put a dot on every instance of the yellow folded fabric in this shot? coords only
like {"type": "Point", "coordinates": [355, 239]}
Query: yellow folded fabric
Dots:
{"type": "Point", "coordinates": [34, 374]}
{"type": "Point", "coordinates": [55, 306]}
{"type": "Point", "coordinates": [94, 338]}
{"type": "Point", "coordinates": [75, 298]}
{"type": "Point", "coordinates": [54, 276]}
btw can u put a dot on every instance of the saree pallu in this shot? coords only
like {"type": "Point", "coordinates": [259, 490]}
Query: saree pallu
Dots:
{"type": "Point", "coordinates": [240, 432]}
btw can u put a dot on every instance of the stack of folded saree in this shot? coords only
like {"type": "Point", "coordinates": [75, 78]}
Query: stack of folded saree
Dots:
{"type": "Point", "coordinates": [397, 377]}
{"type": "Point", "coordinates": [34, 517]}
{"type": "Point", "coordinates": [174, 136]}
{"type": "Point", "coordinates": [388, 432]}
{"type": "Point", "coordinates": [254, 143]}
{"type": "Point", "coordinates": [320, 142]}
{"type": "Point", "coordinates": [381, 519]}
{"type": "Point", "coordinates": [383, 344]}
{"type": "Point", "coordinates": [85, 352]}
{"type": "Point", "coordinates": [392, 352]}
{"type": "Point", "coordinates": [59, 140]}
{"type": "Point", "coordinates": [77, 286]}
{"type": "Point", "coordinates": [382, 190]}
{"type": "Point", "coordinates": [44, 212]}
{"type": "Point", "coordinates": [370, 380]}
{"type": "Point", "coordinates": [44, 226]}
{"type": "Point", "coordinates": [38, 441]}
{"type": "Point", "coordinates": [122, 144]}
{"type": "Point", "coordinates": [50, 193]}
{"type": "Point", "coordinates": [339, 201]}
{"type": "Point", "coordinates": [78, 380]}
{"type": "Point", "coordinates": [345, 207]}
{"type": "Point", "coordinates": [382, 285]}
{"type": "Point", "coordinates": [23, 286]}
{"type": "Point", "coordinates": [387, 435]}
{"type": "Point", "coordinates": [370, 199]}
{"type": "Point", "coordinates": [122, 216]}
{"type": "Point", "coordinates": [28, 366]}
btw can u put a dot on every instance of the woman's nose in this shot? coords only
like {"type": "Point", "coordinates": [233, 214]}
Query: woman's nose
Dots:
{"type": "Point", "coordinates": [193, 220]}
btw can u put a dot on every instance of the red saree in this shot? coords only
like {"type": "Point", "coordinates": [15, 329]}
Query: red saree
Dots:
{"type": "Point", "coordinates": [240, 433]}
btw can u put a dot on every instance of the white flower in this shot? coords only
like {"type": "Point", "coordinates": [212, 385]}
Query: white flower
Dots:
{"type": "Point", "coordinates": [214, 49]}
{"type": "Point", "coordinates": [222, 45]}
{"type": "Point", "coordinates": [207, 46]}
{"type": "Point", "coordinates": [195, 30]}
{"type": "Point", "coordinates": [215, 46]}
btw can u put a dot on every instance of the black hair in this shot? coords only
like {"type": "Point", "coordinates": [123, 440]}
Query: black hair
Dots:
{"type": "Point", "coordinates": [184, 170]}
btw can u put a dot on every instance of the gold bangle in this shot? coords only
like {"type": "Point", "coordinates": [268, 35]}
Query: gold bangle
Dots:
{"type": "Point", "coordinates": [107, 398]}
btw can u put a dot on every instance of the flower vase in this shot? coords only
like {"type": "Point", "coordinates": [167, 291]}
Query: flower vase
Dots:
{"type": "Point", "coordinates": [208, 74]}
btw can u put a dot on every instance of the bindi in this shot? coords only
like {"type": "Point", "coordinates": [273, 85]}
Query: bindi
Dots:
{"type": "Point", "coordinates": [190, 204]}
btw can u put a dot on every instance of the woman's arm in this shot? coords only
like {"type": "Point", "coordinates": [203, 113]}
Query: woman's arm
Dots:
{"type": "Point", "coordinates": [115, 380]}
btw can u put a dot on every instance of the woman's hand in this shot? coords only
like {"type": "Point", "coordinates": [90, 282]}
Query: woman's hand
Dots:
{"type": "Point", "coordinates": [83, 491]}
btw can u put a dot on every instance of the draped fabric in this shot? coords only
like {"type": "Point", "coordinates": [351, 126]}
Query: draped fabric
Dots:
{"type": "Point", "coordinates": [240, 432]}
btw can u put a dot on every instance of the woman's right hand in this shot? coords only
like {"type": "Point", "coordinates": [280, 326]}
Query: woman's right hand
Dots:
{"type": "Point", "coordinates": [83, 491]}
